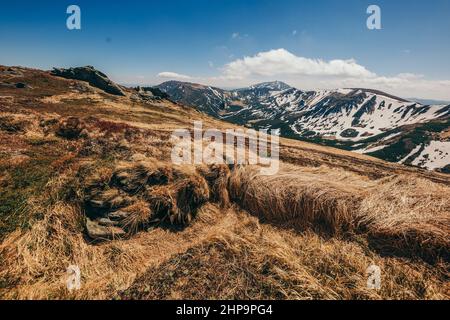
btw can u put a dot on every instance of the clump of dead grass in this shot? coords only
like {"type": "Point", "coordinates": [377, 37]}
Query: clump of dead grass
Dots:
{"type": "Point", "coordinates": [70, 128]}
{"type": "Point", "coordinates": [402, 216]}
{"type": "Point", "coordinates": [133, 177]}
{"type": "Point", "coordinates": [407, 216]}
{"type": "Point", "coordinates": [11, 125]}
{"type": "Point", "coordinates": [139, 216]}
{"type": "Point", "coordinates": [217, 177]}
{"type": "Point", "coordinates": [301, 200]}
{"type": "Point", "coordinates": [149, 193]}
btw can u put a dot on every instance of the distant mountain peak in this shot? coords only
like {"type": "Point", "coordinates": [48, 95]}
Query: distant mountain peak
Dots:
{"type": "Point", "coordinates": [272, 85]}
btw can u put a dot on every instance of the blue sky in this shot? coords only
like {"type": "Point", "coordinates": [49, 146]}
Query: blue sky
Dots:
{"type": "Point", "coordinates": [147, 42]}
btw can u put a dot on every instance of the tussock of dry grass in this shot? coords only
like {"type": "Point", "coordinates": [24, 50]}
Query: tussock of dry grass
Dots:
{"type": "Point", "coordinates": [217, 177]}
{"type": "Point", "coordinates": [408, 216]}
{"type": "Point", "coordinates": [149, 192]}
{"type": "Point", "coordinates": [299, 198]}
{"type": "Point", "coordinates": [140, 214]}
{"type": "Point", "coordinates": [133, 177]}
{"type": "Point", "coordinates": [400, 216]}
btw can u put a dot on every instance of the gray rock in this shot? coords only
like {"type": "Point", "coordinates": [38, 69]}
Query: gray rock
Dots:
{"type": "Point", "coordinates": [154, 92]}
{"type": "Point", "coordinates": [105, 222]}
{"type": "Point", "coordinates": [94, 77]}
{"type": "Point", "coordinates": [118, 215]}
{"type": "Point", "coordinates": [98, 232]}
{"type": "Point", "coordinates": [12, 71]}
{"type": "Point", "coordinates": [148, 94]}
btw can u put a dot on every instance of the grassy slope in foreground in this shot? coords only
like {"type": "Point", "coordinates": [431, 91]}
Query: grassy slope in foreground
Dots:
{"type": "Point", "coordinates": [310, 232]}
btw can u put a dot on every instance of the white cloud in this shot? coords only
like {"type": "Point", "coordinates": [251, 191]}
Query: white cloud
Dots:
{"type": "Point", "coordinates": [400, 85]}
{"type": "Point", "coordinates": [173, 75]}
{"type": "Point", "coordinates": [312, 74]}
{"type": "Point", "coordinates": [238, 36]}
{"type": "Point", "coordinates": [282, 62]}
{"type": "Point", "coordinates": [410, 76]}
{"type": "Point", "coordinates": [294, 33]}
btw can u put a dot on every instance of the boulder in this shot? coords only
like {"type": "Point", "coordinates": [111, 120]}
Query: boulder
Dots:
{"type": "Point", "coordinates": [21, 85]}
{"type": "Point", "coordinates": [118, 215]}
{"type": "Point", "coordinates": [149, 94]}
{"type": "Point", "coordinates": [94, 77]}
{"type": "Point", "coordinates": [105, 222]}
{"type": "Point", "coordinates": [155, 92]}
{"type": "Point", "coordinates": [98, 232]}
{"type": "Point", "coordinates": [70, 128]}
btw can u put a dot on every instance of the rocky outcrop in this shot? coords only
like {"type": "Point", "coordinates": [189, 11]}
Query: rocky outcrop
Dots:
{"type": "Point", "coordinates": [94, 77]}
{"type": "Point", "coordinates": [137, 196]}
{"type": "Point", "coordinates": [101, 231]}
{"type": "Point", "coordinates": [11, 71]}
{"type": "Point", "coordinates": [149, 94]}
{"type": "Point", "coordinates": [156, 92]}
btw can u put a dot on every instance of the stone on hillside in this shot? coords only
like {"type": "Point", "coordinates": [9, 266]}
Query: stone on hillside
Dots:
{"type": "Point", "coordinates": [94, 77]}
{"type": "Point", "coordinates": [105, 222]}
{"type": "Point", "coordinates": [118, 215]}
{"type": "Point", "coordinates": [70, 128]}
{"type": "Point", "coordinates": [156, 92]}
{"type": "Point", "coordinates": [21, 85]}
{"type": "Point", "coordinates": [98, 232]}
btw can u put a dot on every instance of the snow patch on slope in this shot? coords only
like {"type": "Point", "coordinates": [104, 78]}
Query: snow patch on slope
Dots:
{"type": "Point", "coordinates": [435, 155]}
{"type": "Point", "coordinates": [413, 152]}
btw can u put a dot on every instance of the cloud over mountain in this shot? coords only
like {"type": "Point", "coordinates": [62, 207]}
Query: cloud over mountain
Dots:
{"type": "Point", "coordinates": [173, 75]}
{"type": "Point", "coordinates": [315, 73]}
{"type": "Point", "coordinates": [282, 62]}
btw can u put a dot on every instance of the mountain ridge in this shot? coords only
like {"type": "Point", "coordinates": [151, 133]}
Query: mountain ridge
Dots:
{"type": "Point", "coordinates": [355, 119]}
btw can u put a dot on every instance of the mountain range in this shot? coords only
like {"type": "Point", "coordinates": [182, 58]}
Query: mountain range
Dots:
{"type": "Point", "coordinates": [361, 120]}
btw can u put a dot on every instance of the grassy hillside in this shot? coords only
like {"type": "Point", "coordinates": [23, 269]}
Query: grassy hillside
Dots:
{"type": "Point", "coordinates": [87, 180]}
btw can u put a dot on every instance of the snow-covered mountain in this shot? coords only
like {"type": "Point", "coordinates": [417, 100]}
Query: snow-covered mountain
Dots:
{"type": "Point", "coordinates": [362, 120]}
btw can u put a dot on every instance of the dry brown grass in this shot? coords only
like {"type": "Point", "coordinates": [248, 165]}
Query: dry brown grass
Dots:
{"type": "Point", "coordinates": [408, 216]}
{"type": "Point", "coordinates": [322, 220]}
{"type": "Point", "coordinates": [139, 216]}
{"type": "Point", "coordinates": [253, 261]}
{"type": "Point", "coordinates": [400, 216]}
{"type": "Point", "coordinates": [299, 198]}
{"type": "Point", "coordinates": [217, 177]}
{"type": "Point", "coordinates": [191, 194]}
{"type": "Point", "coordinates": [33, 263]}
